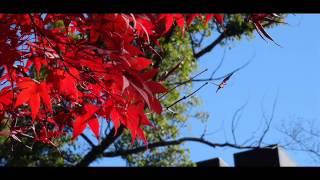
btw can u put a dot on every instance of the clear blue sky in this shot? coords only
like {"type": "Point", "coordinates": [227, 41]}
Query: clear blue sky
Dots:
{"type": "Point", "coordinates": [292, 71]}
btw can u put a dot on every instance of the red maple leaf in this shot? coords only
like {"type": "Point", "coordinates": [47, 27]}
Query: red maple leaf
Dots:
{"type": "Point", "coordinates": [31, 93]}
{"type": "Point", "coordinates": [89, 66]}
{"type": "Point", "coordinates": [87, 118]}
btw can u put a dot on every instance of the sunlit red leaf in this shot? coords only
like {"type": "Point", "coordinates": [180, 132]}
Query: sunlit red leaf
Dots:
{"type": "Point", "coordinates": [140, 63]}
{"type": "Point", "coordinates": [31, 93]}
{"type": "Point", "coordinates": [73, 69]}
{"type": "Point", "coordinates": [156, 87]}
{"type": "Point", "coordinates": [95, 126]}
{"type": "Point", "coordinates": [81, 121]}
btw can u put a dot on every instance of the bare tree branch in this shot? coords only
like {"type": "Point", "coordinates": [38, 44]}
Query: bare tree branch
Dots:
{"type": "Point", "coordinates": [201, 140]}
{"type": "Point", "coordinates": [210, 46]}
{"type": "Point", "coordinates": [219, 65]}
{"type": "Point", "coordinates": [205, 130]}
{"type": "Point", "coordinates": [302, 138]}
{"type": "Point", "coordinates": [174, 142]}
{"type": "Point", "coordinates": [302, 144]}
{"type": "Point", "coordinates": [203, 35]}
{"type": "Point", "coordinates": [235, 121]}
{"type": "Point", "coordinates": [268, 121]}
{"type": "Point", "coordinates": [96, 151]}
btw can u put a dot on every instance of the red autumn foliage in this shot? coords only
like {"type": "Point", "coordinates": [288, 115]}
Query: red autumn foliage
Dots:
{"type": "Point", "coordinates": [73, 70]}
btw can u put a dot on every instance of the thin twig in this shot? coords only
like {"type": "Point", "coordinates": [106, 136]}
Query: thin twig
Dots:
{"type": "Point", "coordinates": [234, 124]}
{"type": "Point", "coordinates": [219, 65]}
{"type": "Point", "coordinates": [268, 122]}
{"type": "Point", "coordinates": [185, 97]}
{"type": "Point", "coordinates": [185, 82]}
{"type": "Point", "coordinates": [217, 78]}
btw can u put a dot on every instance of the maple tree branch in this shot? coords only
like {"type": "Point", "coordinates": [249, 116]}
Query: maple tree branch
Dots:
{"type": "Point", "coordinates": [210, 46]}
{"type": "Point", "coordinates": [87, 140]}
{"type": "Point", "coordinates": [172, 143]}
{"type": "Point", "coordinates": [200, 139]}
{"type": "Point", "coordinates": [96, 151]}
